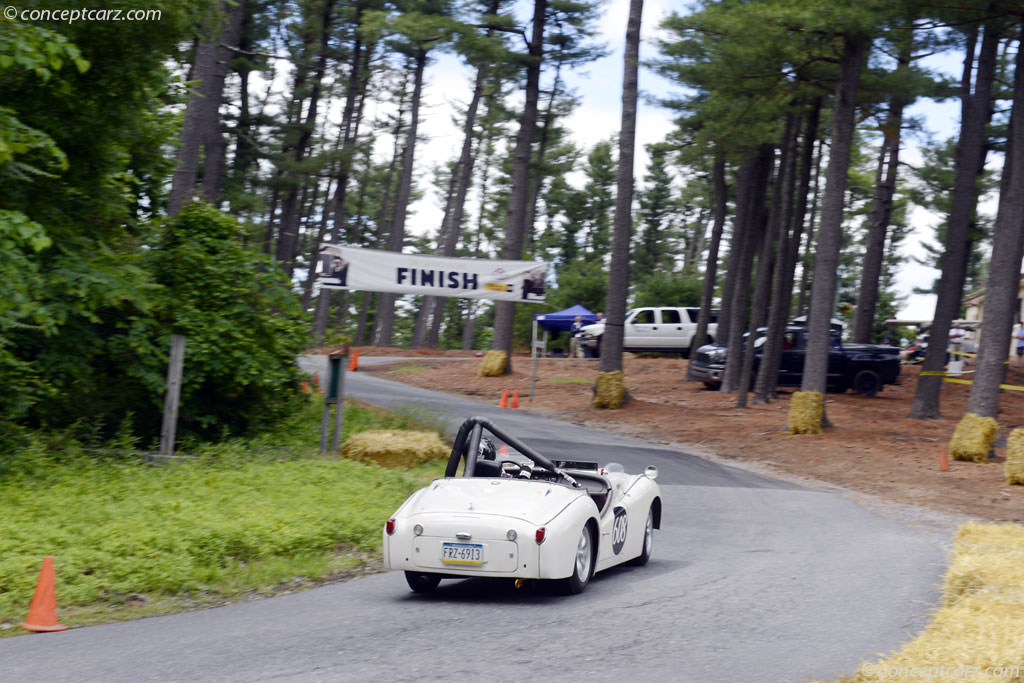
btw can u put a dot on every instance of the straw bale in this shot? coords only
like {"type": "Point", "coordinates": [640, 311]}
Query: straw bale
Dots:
{"type": "Point", "coordinates": [1015, 457]}
{"type": "Point", "coordinates": [973, 438]}
{"type": "Point", "coordinates": [982, 617]}
{"type": "Point", "coordinates": [394, 448]}
{"type": "Point", "coordinates": [805, 410]}
{"type": "Point", "coordinates": [611, 387]}
{"type": "Point", "coordinates": [494, 364]}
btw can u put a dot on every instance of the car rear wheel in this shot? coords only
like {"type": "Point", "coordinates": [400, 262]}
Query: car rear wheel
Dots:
{"type": "Point", "coordinates": [645, 553]}
{"type": "Point", "coordinates": [867, 383]}
{"type": "Point", "coordinates": [583, 566]}
{"type": "Point", "coordinates": [421, 582]}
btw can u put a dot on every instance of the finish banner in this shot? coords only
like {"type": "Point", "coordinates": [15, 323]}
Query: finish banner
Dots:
{"type": "Point", "coordinates": [344, 267]}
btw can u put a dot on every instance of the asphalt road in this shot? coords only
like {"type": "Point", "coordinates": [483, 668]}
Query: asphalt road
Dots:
{"type": "Point", "coordinates": [752, 580]}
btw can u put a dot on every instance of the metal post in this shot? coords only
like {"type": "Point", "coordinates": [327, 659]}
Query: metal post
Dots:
{"type": "Point", "coordinates": [339, 407]}
{"type": "Point", "coordinates": [173, 394]}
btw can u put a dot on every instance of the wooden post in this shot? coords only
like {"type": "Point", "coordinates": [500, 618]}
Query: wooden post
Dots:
{"type": "Point", "coordinates": [173, 394]}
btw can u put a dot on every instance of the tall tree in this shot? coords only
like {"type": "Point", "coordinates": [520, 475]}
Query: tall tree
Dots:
{"type": "Point", "coordinates": [970, 158]}
{"type": "Point", "coordinates": [200, 132]}
{"type": "Point", "coordinates": [512, 248]}
{"type": "Point", "coordinates": [618, 270]}
{"type": "Point", "coordinates": [856, 45]}
{"type": "Point", "coordinates": [1004, 269]}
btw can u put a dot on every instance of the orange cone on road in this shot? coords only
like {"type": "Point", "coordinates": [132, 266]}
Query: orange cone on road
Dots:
{"type": "Point", "coordinates": [42, 613]}
{"type": "Point", "coordinates": [502, 452]}
{"type": "Point", "coordinates": [353, 364]}
{"type": "Point", "coordinates": [305, 387]}
{"type": "Point", "coordinates": [944, 459]}
{"type": "Point", "coordinates": [316, 382]}
{"type": "Point", "coordinates": [515, 399]}
{"type": "Point", "coordinates": [503, 403]}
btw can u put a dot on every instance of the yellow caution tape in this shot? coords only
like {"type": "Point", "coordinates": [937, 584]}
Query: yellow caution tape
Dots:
{"type": "Point", "coordinates": [1011, 387]}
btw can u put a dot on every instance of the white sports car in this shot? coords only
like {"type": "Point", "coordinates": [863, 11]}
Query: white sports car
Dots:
{"type": "Point", "coordinates": [516, 514]}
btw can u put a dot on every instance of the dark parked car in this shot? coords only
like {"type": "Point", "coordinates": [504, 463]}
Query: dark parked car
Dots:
{"type": "Point", "coordinates": [865, 368]}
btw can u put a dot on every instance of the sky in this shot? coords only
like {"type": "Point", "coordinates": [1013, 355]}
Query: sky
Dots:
{"type": "Point", "coordinates": [598, 86]}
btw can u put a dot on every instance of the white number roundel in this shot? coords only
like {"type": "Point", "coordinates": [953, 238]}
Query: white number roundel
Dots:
{"type": "Point", "coordinates": [619, 528]}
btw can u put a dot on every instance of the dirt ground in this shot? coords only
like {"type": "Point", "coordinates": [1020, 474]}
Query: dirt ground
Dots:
{"type": "Point", "coordinates": [874, 448]}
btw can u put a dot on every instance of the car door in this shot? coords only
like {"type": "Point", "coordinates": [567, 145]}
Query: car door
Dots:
{"type": "Point", "coordinates": [836, 362]}
{"type": "Point", "coordinates": [791, 366]}
{"type": "Point", "coordinates": [670, 332]}
{"type": "Point", "coordinates": [641, 328]}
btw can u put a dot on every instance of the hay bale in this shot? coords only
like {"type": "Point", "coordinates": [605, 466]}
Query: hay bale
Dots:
{"type": "Point", "coordinates": [494, 364]}
{"type": "Point", "coordinates": [394, 448]}
{"type": "Point", "coordinates": [1015, 457]}
{"type": "Point", "coordinates": [611, 387]}
{"type": "Point", "coordinates": [805, 411]}
{"type": "Point", "coordinates": [973, 437]}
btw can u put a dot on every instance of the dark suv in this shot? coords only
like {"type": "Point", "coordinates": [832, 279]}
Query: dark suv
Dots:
{"type": "Point", "coordinates": [865, 368]}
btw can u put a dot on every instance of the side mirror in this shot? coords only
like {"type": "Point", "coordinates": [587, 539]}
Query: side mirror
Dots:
{"type": "Point", "coordinates": [651, 472]}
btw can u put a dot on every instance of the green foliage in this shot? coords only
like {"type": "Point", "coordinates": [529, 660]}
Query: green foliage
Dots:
{"type": "Point", "coordinates": [243, 515]}
{"type": "Point", "coordinates": [669, 289]}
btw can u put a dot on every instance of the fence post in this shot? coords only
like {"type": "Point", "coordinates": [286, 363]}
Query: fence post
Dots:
{"type": "Point", "coordinates": [172, 395]}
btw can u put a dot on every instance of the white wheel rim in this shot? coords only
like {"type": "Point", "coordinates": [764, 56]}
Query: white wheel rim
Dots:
{"type": "Point", "coordinates": [583, 556]}
{"type": "Point", "coordinates": [649, 533]}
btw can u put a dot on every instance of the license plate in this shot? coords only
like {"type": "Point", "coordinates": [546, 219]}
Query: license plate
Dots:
{"type": "Point", "coordinates": [462, 553]}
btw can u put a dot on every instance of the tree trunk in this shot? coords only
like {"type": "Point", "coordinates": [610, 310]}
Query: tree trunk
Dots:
{"type": "Point", "coordinates": [288, 235]}
{"type": "Point", "coordinates": [396, 238]}
{"type": "Point", "coordinates": [750, 184]}
{"type": "Point", "coordinates": [1004, 268]}
{"type": "Point", "coordinates": [807, 258]}
{"type": "Point", "coordinates": [830, 232]}
{"type": "Point", "coordinates": [707, 292]}
{"type": "Point", "coordinates": [512, 249]}
{"type": "Point", "coordinates": [352, 116]}
{"type": "Point", "coordinates": [970, 158]}
{"type": "Point", "coordinates": [782, 277]}
{"type": "Point", "coordinates": [618, 269]}
{"type": "Point", "coordinates": [201, 128]}
{"type": "Point", "coordinates": [881, 209]}
{"type": "Point", "coordinates": [451, 224]}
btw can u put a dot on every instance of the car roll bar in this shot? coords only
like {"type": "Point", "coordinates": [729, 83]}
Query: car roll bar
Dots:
{"type": "Point", "coordinates": [467, 444]}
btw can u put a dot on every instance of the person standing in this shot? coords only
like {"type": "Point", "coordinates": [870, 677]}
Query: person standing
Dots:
{"type": "Point", "coordinates": [576, 330]}
{"type": "Point", "coordinates": [956, 339]}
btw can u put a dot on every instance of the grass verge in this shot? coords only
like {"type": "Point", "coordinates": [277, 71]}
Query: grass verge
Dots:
{"type": "Point", "coordinates": [976, 634]}
{"type": "Point", "coordinates": [243, 518]}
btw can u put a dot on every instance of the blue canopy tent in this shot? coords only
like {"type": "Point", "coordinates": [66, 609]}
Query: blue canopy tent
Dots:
{"type": "Point", "coordinates": [559, 321]}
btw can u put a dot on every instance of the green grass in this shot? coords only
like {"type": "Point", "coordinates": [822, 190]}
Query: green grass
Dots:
{"type": "Point", "coordinates": [409, 369]}
{"type": "Point", "coordinates": [244, 517]}
{"type": "Point", "coordinates": [569, 380]}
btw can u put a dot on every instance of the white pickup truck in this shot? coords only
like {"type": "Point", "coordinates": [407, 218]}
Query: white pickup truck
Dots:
{"type": "Point", "coordinates": [666, 329]}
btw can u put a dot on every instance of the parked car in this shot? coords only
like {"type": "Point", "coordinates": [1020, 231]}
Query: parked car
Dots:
{"type": "Point", "coordinates": [664, 328]}
{"type": "Point", "coordinates": [519, 515]}
{"type": "Point", "coordinates": [865, 368]}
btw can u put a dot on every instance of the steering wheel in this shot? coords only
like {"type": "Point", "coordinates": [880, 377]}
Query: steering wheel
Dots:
{"type": "Point", "coordinates": [518, 466]}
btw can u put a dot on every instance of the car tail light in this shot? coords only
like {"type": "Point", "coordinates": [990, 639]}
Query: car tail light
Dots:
{"type": "Point", "coordinates": [390, 526]}
{"type": "Point", "coordinates": [541, 533]}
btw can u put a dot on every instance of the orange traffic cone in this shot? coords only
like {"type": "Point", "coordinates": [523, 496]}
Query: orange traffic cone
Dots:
{"type": "Point", "coordinates": [503, 403]}
{"type": "Point", "coordinates": [316, 382]}
{"type": "Point", "coordinates": [502, 452]}
{"type": "Point", "coordinates": [305, 387]}
{"type": "Point", "coordinates": [944, 460]}
{"type": "Point", "coordinates": [515, 399]}
{"type": "Point", "coordinates": [42, 613]}
{"type": "Point", "coordinates": [353, 364]}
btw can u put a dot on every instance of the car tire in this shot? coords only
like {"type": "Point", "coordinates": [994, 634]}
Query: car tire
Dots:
{"type": "Point", "coordinates": [421, 582]}
{"type": "Point", "coordinates": [713, 386]}
{"type": "Point", "coordinates": [867, 383]}
{"type": "Point", "coordinates": [645, 553]}
{"type": "Point", "coordinates": [583, 564]}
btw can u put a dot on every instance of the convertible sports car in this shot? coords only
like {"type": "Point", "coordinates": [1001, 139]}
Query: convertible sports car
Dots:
{"type": "Point", "coordinates": [513, 513]}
